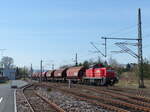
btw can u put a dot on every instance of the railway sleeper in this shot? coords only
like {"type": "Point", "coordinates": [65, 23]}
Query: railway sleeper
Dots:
{"type": "Point", "coordinates": [121, 97]}
{"type": "Point", "coordinates": [121, 103]}
{"type": "Point", "coordinates": [105, 106]}
{"type": "Point", "coordinates": [141, 98]}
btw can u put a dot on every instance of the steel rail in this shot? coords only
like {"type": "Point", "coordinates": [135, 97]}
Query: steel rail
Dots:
{"type": "Point", "coordinates": [105, 106]}
{"type": "Point", "coordinates": [141, 98]}
{"type": "Point", "coordinates": [56, 107]}
{"type": "Point", "coordinates": [30, 106]}
{"type": "Point", "coordinates": [120, 97]}
{"type": "Point", "coordinates": [106, 100]}
{"type": "Point", "coordinates": [53, 105]}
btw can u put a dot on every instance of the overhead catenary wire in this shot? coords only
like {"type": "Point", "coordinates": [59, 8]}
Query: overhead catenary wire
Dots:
{"type": "Point", "coordinates": [139, 55]}
{"type": "Point", "coordinates": [125, 30]}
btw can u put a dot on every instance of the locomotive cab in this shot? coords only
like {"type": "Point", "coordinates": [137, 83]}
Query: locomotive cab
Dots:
{"type": "Point", "coordinates": [111, 76]}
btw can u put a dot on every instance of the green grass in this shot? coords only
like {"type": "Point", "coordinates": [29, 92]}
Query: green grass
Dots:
{"type": "Point", "coordinates": [132, 84]}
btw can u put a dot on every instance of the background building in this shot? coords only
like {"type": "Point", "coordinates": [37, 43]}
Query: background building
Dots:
{"type": "Point", "coordinates": [9, 73]}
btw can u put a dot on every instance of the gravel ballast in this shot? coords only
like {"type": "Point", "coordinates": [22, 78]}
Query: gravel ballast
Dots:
{"type": "Point", "coordinates": [68, 102]}
{"type": "Point", "coordinates": [21, 103]}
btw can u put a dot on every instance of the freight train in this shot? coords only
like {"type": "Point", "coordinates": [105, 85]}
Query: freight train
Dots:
{"type": "Point", "coordinates": [97, 75]}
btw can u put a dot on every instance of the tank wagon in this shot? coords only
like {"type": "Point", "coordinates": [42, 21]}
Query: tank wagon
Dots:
{"type": "Point", "coordinates": [97, 75]}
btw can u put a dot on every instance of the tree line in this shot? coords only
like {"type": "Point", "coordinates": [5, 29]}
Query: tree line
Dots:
{"type": "Point", "coordinates": [119, 68]}
{"type": "Point", "coordinates": [21, 72]}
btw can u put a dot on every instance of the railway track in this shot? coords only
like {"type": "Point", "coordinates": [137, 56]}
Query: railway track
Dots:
{"type": "Point", "coordinates": [120, 97]}
{"type": "Point", "coordinates": [38, 103]}
{"type": "Point", "coordinates": [137, 92]}
{"type": "Point", "coordinates": [121, 104]}
{"type": "Point", "coordinates": [102, 105]}
{"type": "Point", "coordinates": [135, 96]}
{"type": "Point", "coordinates": [119, 92]}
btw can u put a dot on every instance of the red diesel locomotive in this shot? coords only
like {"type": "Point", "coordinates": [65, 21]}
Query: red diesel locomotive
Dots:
{"type": "Point", "coordinates": [101, 76]}
{"type": "Point", "coordinates": [97, 75]}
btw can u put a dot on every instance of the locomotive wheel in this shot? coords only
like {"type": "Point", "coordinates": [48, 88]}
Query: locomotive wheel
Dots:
{"type": "Point", "coordinates": [103, 82]}
{"type": "Point", "coordinates": [111, 83]}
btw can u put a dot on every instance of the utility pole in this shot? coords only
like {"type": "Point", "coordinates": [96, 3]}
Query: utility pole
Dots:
{"type": "Point", "coordinates": [31, 71]}
{"type": "Point", "coordinates": [52, 66]}
{"type": "Point", "coordinates": [125, 49]}
{"type": "Point", "coordinates": [140, 54]}
{"type": "Point", "coordinates": [76, 59]}
{"type": "Point", "coordinates": [24, 72]}
{"type": "Point", "coordinates": [41, 70]}
{"type": "Point", "coordinates": [105, 48]}
{"type": "Point", "coordinates": [105, 44]}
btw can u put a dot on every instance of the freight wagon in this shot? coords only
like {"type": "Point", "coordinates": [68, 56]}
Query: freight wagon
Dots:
{"type": "Point", "coordinates": [97, 75]}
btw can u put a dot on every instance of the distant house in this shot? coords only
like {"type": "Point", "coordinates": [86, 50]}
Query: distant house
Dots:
{"type": "Point", "coordinates": [10, 73]}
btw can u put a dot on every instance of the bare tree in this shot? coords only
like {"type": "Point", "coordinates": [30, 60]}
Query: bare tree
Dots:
{"type": "Point", "coordinates": [113, 62]}
{"type": "Point", "coordinates": [7, 62]}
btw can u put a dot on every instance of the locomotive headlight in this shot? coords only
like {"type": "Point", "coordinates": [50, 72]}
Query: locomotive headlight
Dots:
{"type": "Point", "coordinates": [98, 71]}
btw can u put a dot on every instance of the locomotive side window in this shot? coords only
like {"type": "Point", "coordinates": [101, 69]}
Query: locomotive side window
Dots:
{"type": "Point", "coordinates": [110, 70]}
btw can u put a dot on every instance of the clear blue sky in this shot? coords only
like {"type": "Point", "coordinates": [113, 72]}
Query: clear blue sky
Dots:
{"type": "Point", "coordinates": [54, 30]}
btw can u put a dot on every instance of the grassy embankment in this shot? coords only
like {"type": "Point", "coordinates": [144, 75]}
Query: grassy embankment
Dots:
{"type": "Point", "coordinates": [130, 80]}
